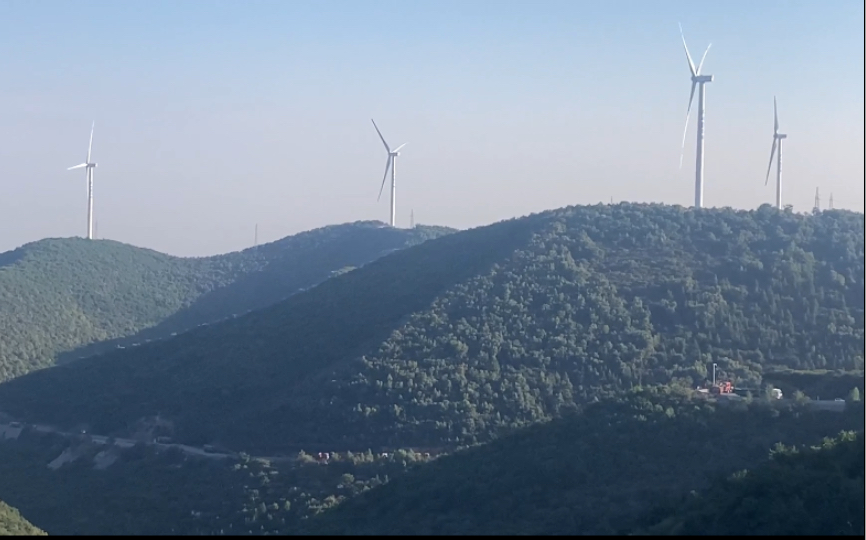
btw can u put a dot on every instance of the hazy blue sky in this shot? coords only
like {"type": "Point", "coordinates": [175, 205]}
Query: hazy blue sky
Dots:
{"type": "Point", "coordinates": [212, 116]}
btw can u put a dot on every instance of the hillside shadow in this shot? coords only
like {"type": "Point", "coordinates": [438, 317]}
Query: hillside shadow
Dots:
{"type": "Point", "coordinates": [255, 291]}
{"type": "Point", "coordinates": [257, 359]}
{"type": "Point", "coordinates": [276, 282]}
{"type": "Point", "coordinates": [285, 267]}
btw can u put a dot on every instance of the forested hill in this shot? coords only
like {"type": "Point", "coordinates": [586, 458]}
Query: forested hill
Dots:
{"type": "Point", "coordinates": [58, 295]}
{"type": "Point", "coordinates": [13, 524]}
{"type": "Point", "coordinates": [816, 491]}
{"type": "Point", "coordinates": [600, 471]}
{"type": "Point", "coordinates": [459, 338]}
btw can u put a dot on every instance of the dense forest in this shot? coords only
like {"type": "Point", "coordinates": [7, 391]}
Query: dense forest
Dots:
{"type": "Point", "coordinates": [468, 336]}
{"type": "Point", "coordinates": [816, 491]}
{"type": "Point", "coordinates": [13, 524]}
{"type": "Point", "coordinates": [69, 298]}
{"type": "Point", "coordinates": [597, 470]}
{"type": "Point", "coordinates": [142, 491]}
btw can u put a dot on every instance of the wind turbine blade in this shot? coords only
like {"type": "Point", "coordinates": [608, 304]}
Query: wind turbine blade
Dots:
{"type": "Point", "coordinates": [686, 129]}
{"type": "Point", "coordinates": [701, 64]}
{"type": "Point", "coordinates": [388, 148]}
{"type": "Point", "coordinates": [688, 56]}
{"type": "Point", "coordinates": [775, 117]}
{"type": "Point", "coordinates": [385, 178]}
{"type": "Point", "coordinates": [90, 146]}
{"type": "Point", "coordinates": [770, 166]}
{"type": "Point", "coordinates": [399, 147]}
{"type": "Point", "coordinates": [77, 167]}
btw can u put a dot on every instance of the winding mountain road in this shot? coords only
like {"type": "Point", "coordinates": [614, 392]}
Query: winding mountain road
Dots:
{"type": "Point", "coordinates": [12, 430]}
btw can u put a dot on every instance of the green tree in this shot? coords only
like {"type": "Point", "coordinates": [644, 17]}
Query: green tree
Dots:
{"type": "Point", "coordinates": [64, 299]}
{"type": "Point", "coordinates": [13, 524]}
{"type": "Point", "coordinates": [492, 329]}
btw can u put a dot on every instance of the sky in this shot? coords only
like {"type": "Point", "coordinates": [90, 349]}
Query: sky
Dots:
{"type": "Point", "coordinates": [213, 117]}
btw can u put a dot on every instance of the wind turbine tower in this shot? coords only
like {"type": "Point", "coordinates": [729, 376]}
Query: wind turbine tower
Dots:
{"type": "Point", "coordinates": [88, 166]}
{"type": "Point", "coordinates": [698, 81]}
{"type": "Point", "coordinates": [392, 165]}
{"type": "Point", "coordinates": [830, 203]}
{"type": "Point", "coordinates": [777, 138]}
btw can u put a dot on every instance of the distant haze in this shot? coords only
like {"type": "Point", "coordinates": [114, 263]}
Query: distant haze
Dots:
{"type": "Point", "coordinates": [214, 116]}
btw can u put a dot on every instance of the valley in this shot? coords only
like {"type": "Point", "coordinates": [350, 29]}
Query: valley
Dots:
{"type": "Point", "coordinates": [657, 445]}
{"type": "Point", "coordinates": [65, 299]}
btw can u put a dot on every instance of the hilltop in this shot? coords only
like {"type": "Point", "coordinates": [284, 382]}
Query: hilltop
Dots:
{"type": "Point", "coordinates": [816, 491]}
{"type": "Point", "coordinates": [13, 524]}
{"type": "Point", "coordinates": [61, 299]}
{"type": "Point", "coordinates": [595, 472]}
{"type": "Point", "coordinates": [468, 336]}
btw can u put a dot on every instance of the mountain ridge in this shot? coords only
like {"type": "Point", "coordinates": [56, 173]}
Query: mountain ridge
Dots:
{"type": "Point", "coordinates": [479, 332]}
{"type": "Point", "coordinates": [59, 298]}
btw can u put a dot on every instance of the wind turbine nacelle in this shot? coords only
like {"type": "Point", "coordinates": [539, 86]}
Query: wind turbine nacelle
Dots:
{"type": "Point", "coordinates": [702, 78]}
{"type": "Point", "coordinates": [781, 136]}
{"type": "Point", "coordinates": [91, 165]}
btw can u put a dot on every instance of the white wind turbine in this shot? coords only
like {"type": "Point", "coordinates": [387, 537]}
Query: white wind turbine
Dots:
{"type": "Point", "coordinates": [390, 164]}
{"type": "Point", "coordinates": [88, 166]}
{"type": "Point", "coordinates": [699, 81]}
{"type": "Point", "coordinates": [777, 137]}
